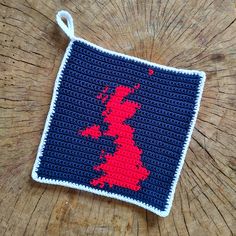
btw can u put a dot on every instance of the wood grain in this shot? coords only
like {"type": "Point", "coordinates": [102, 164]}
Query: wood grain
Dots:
{"type": "Point", "coordinates": [197, 34]}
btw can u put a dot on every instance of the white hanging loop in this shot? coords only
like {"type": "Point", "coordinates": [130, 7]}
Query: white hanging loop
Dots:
{"type": "Point", "coordinates": [68, 28]}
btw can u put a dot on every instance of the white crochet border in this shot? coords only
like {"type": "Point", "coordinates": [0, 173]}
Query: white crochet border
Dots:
{"type": "Point", "coordinates": [103, 192]}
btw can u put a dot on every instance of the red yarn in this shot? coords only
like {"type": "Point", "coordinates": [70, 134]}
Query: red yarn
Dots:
{"type": "Point", "coordinates": [93, 131]}
{"type": "Point", "coordinates": [150, 71]}
{"type": "Point", "coordinates": [124, 167]}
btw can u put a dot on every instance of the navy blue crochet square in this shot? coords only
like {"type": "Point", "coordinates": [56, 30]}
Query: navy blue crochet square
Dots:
{"type": "Point", "coordinates": [114, 115]}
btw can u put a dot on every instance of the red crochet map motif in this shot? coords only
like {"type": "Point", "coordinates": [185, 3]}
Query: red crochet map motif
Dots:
{"type": "Point", "coordinates": [123, 167]}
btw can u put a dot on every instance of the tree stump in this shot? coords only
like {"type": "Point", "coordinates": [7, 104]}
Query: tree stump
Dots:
{"type": "Point", "coordinates": [195, 34]}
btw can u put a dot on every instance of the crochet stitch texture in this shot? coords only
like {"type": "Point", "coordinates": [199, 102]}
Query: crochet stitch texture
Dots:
{"type": "Point", "coordinates": [118, 126]}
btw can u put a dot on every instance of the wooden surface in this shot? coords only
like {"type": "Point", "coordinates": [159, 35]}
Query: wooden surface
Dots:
{"type": "Point", "coordinates": [198, 34]}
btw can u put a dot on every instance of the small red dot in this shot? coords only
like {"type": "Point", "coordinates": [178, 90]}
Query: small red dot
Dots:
{"type": "Point", "coordinates": [150, 71]}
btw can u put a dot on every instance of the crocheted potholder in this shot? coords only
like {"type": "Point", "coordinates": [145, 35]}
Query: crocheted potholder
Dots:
{"type": "Point", "coordinates": [118, 126]}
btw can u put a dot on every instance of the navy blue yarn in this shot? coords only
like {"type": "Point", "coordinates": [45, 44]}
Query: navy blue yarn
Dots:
{"type": "Point", "coordinates": [161, 125]}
